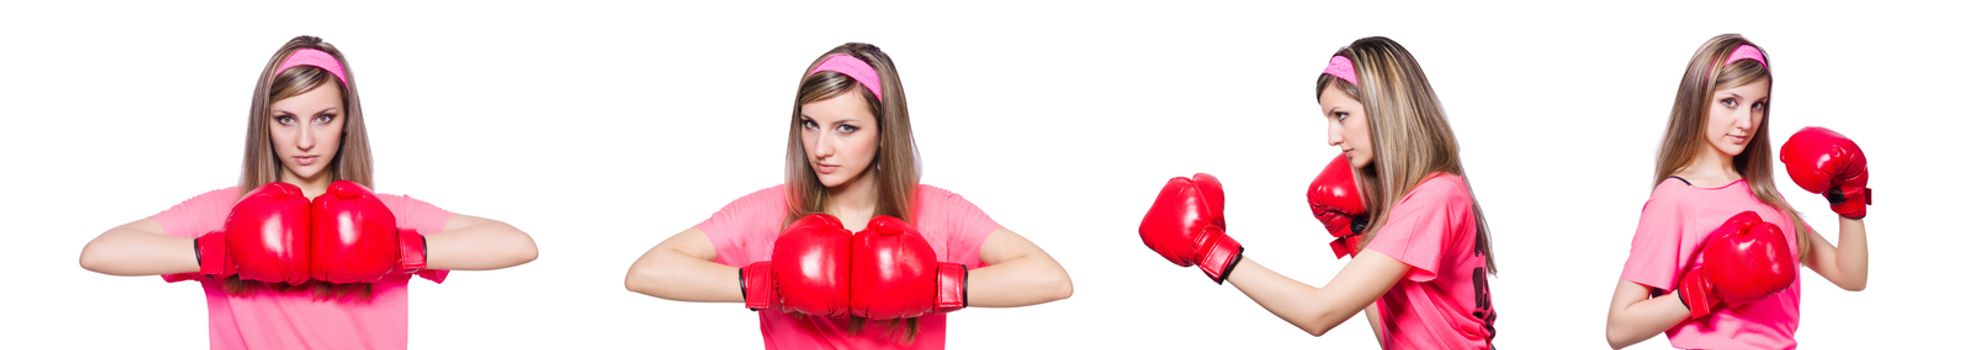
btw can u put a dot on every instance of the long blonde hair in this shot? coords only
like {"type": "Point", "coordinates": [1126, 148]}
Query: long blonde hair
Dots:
{"type": "Point", "coordinates": [1408, 132]}
{"type": "Point", "coordinates": [896, 163]}
{"type": "Point", "coordinates": [1684, 135]}
{"type": "Point", "coordinates": [895, 167]}
{"type": "Point", "coordinates": [261, 165]}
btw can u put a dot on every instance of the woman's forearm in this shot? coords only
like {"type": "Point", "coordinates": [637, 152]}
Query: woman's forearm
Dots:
{"type": "Point", "coordinates": [483, 245]}
{"type": "Point", "coordinates": [1018, 282]}
{"type": "Point", "coordinates": [130, 250]}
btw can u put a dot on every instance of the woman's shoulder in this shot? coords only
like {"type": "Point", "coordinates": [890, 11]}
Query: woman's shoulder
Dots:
{"type": "Point", "coordinates": [1440, 188]}
{"type": "Point", "coordinates": [226, 195]}
{"type": "Point", "coordinates": [765, 199]}
{"type": "Point", "coordinates": [929, 191]}
{"type": "Point", "coordinates": [934, 196]}
{"type": "Point", "coordinates": [771, 193]}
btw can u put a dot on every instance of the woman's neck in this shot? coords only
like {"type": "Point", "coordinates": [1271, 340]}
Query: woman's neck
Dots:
{"type": "Point", "coordinates": [1709, 168]}
{"type": "Point", "coordinates": [311, 187]}
{"type": "Point", "coordinates": [854, 202]}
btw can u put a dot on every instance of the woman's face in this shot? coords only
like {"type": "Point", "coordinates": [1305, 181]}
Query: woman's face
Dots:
{"type": "Point", "coordinates": [1348, 126]}
{"type": "Point", "coordinates": [1734, 115]}
{"type": "Point", "coordinates": [307, 131]}
{"type": "Point", "coordinates": [839, 133]}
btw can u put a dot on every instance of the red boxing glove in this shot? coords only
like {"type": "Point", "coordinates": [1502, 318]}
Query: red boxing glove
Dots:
{"type": "Point", "coordinates": [895, 274]}
{"type": "Point", "coordinates": [267, 235]}
{"type": "Point", "coordinates": [356, 238]}
{"type": "Point", "coordinates": [1335, 202]}
{"type": "Point", "coordinates": [1825, 163]}
{"type": "Point", "coordinates": [1187, 226]}
{"type": "Point", "coordinates": [808, 273]}
{"type": "Point", "coordinates": [1743, 261]}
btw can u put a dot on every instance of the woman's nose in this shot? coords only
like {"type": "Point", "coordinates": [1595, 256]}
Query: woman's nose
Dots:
{"type": "Point", "coordinates": [305, 140]}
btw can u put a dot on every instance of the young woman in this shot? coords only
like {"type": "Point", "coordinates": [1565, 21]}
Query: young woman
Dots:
{"type": "Point", "coordinates": [1717, 250]}
{"type": "Point", "coordinates": [851, 166]}
{"type": "Point", "coordinates": [1421, 257]}
{"type": "Point", "coordinates": [284, 271]}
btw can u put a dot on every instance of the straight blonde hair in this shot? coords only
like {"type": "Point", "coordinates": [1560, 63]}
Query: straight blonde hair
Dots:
{"type": "Point", "coordinates": [1407, 129]}
{"type": "Point", "coordinates": [1684, 136]}
{"type": "Point", "coordinates": [896, 162]}
{"type": "Point", "coordinates": [261, 165]}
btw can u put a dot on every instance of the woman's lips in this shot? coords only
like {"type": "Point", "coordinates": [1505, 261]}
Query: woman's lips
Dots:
{"type": "Point", "coordinates": [826, 169]}
{"type": "Point", "coordinates": [305, 160]}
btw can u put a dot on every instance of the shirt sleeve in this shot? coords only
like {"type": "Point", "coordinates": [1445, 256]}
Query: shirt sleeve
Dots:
{"type": "Point", "coordinates": [195, 217]}
{"type": "Point", "coordinates": [201, 214]}
{"type": "Point", "coordinates": [1654, 260]}
{"type": "Point", "coordinates": [744, 230]}
{"type": "Point", "coordinates": [1418, 232]}
{"type": "Point", "coordinates": [968, 226]}
{"type": "Point", "coordinates": [427, 219]}
{"type": "Point", "coordinates": [414, 214]}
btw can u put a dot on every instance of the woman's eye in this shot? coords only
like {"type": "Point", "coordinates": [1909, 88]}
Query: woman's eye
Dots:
{"type": "Point", "coordinates": [325, 118]}
{"type": "Point", "coordinates": [846, 129]}
{"type": "Point", "coordinates": [284, 119]}
{"type": "Point", "coordinates": [1760, 106]}
{"type": "Point", "coordinates": [808, 124]}
{"type": "Point", "coordinates": [1339, 116]}
{"type": "Point", "coordinates": [1730, 102]}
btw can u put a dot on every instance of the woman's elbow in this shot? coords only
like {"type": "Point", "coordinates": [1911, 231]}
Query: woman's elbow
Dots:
{"type": "Point", "coordinates": [523, 248]}
{"type": "Point", "coordinates": [1317, 328]}
{"type": "Point", "coordinates": [99, 257]}
{"type": "Point", "coordinates": [92, 259]}
{"type": "Point", "coordinates": [1855, 286]}
{"type": "Point", "coordinates": [634, 281]}
{"type": "Point", "coordinates": [526, 253]}
{"type": "Point", "coordinates": [1321, 321]}
{"type": "Point", "coordinates": [1060, 287]}
{"type": "Point", "coordinates": [645, 280]}
{"type": "Point", "coordinates": [1618, 338]}
{"type": "Point", "coordinates": [1317, 331]}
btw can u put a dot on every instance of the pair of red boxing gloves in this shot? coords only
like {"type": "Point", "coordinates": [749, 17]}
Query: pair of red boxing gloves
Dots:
{"type": "Point", "coordinates": [886, 272]}
{"type": "Point", "coordinates": [277, 235]}
{"type": "Point", "coordinates": [1187, 222]}
{"type": "Point", "coordinates": [1747, 258]}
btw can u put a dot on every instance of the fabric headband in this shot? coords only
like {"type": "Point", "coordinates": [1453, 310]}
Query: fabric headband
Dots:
{"type": "Point", "coordinates": [856, 69]}
{"type": "Point", "coordinates": [1747, 52]}
{"type": "Point", "coordinates": [1341, 67]}
{"type": "Point", "coordinates": [313, 58]}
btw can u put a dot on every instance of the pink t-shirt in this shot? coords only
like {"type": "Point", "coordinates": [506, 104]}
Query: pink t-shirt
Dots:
{"type": "Point", "coordinates": [1677, 218]}
{"type": "Point", "coordinates": [744, 232]}
{"type": "Point", "coordinates": [269, 319]}
{"type": "Point", "coordinates": [1444, 301]}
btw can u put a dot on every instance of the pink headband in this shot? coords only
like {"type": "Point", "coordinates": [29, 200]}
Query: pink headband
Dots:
{"type": "Point", "coordinates": [1747, 52]}
{"type": "Point", "coordinates": [856, 69]}
{"type": "Point", "coordinates": [313, 58]}
{"type": "Point", "coordinates": [1341, 67]}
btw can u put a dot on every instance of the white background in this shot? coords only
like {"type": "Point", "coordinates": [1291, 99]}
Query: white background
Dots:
{"type": "Point", "coordinates": [601, 130]}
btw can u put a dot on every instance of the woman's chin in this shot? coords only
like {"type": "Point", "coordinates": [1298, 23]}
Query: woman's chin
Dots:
{"type": "Point", "coordinates": [833, 181]}
{"type": "Point", "coordinates": [304, 173]}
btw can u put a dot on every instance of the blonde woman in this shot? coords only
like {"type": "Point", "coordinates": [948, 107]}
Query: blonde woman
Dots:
{"type": "Point", "coordinates": [1422, 255]}
{"type": "Point", "coordinates": [918, 252]}
{"type": "Point", "coordinates": [1717, 252]}
{"type": "Point", "coordinates": [276, 276]}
